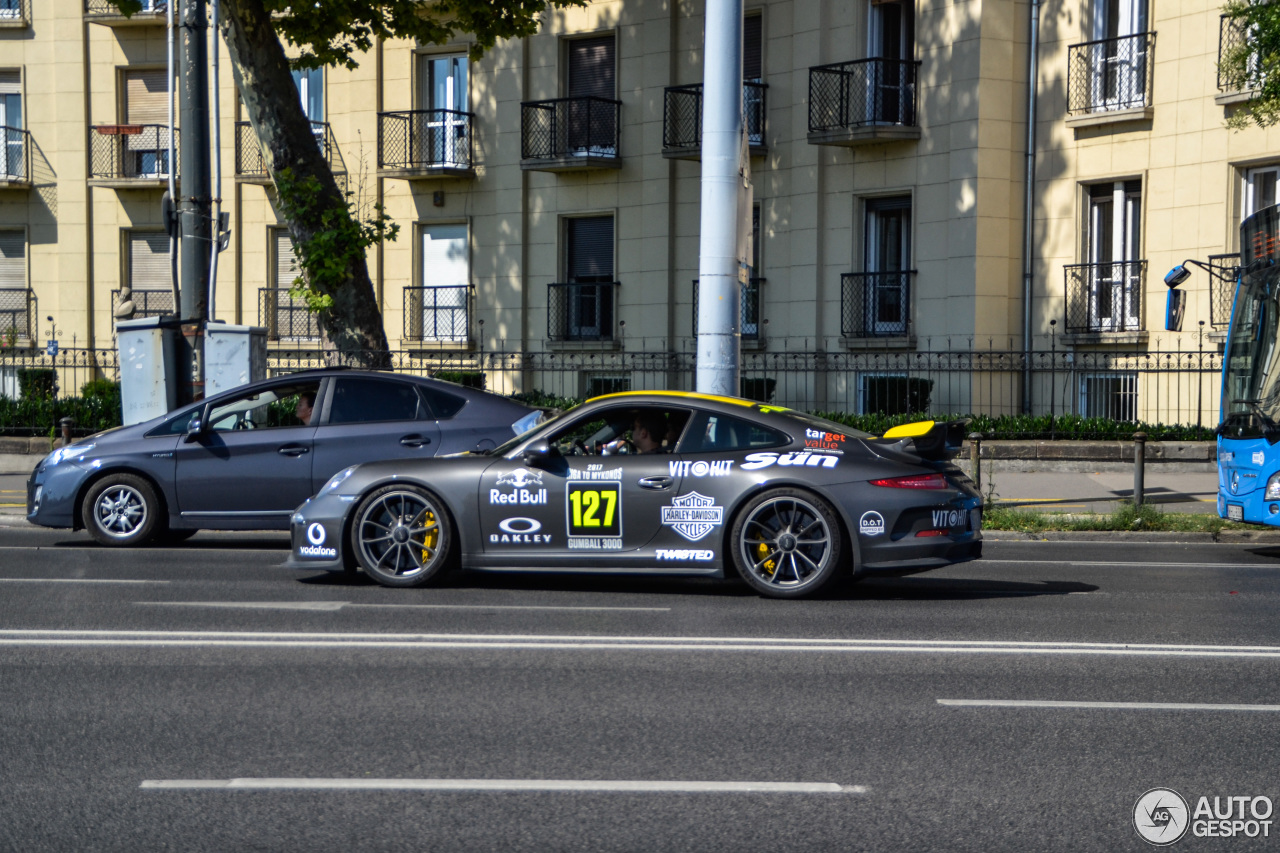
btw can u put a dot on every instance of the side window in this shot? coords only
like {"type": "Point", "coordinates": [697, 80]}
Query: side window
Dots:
{"type": "Point", "coordinates": [710, 432]}
{"type": "Point", "coordinates": [359, 400]}
{"type": "Point", "coordinates": [442, 405]}
{"type": "Point", "coordinates": [270, 408]}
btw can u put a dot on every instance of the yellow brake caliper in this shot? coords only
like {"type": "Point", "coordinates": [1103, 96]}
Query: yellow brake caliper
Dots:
{"type": "Point", "coordinates": [428, 519]}
{"type": "Point", "coordinates": [763, 550]}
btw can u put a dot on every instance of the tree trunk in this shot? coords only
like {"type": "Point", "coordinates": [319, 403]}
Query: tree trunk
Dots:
{"type": "Point", "coordinates": [351, 330]}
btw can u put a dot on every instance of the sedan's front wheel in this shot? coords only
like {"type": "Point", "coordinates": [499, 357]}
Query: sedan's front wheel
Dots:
{"type": "Point", "coordinates": [401, 536]}
{"type": "Point", "coordinates": [121, 509]}
{"type": "Point", "coordinates": [786, 543]}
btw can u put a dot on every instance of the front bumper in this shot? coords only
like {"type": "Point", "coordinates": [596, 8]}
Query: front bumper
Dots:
{"type": "Point", "coordinates": [316, 535]}
{"type": "Point", "coordinates": [52, 492]}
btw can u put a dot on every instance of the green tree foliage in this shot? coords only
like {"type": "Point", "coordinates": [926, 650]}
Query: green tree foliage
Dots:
{"type": "Point", "coordinates": [1250, 61]}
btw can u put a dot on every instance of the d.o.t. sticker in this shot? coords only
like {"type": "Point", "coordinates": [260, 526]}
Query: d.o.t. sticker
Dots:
{"type": "Point", "coordinates": [871, 523]}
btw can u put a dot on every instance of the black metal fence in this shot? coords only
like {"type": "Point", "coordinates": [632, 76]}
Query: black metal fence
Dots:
{"type": "Point", "coordinates": [1233, 38]}
{"type": "Point", "coordinates": [249, 159]}
{"type": "Point", "coordinates": [425, 139]}
{"type": "Point", "coordinates": [1110, 74]}
{"type": "Point", "coordinates": [1223, 270]}
{"type": "Point", "coordinates": [13, 12]}
{"type": "Point", "coordinates": [16, 304]}
{"type": "Point", "coordinates": [15, 153]}
{"type": "Point", "coordinates": [682, 116]}
{"type": "Point", "coordinates": [438, 313]}
{"type": "Point", "coordinates": [146, 303]}
{"type": "Point", "coordinates": [581, 312]}
{"type": "Point", "coordinates": [875, 304]}
{"type": "Point", "coordinates": [847, 95]}
{"type": "Point", "coordinates": [105, 9]}
{"type": "Point", "coordinates": [286, 318]}
{"type": "Point", "coordinates": [749, 324]}
{"type": "Point", "coordinates": [569, 127]}
{"type": "Point", "coordinates": [130, 151]}
{"type": "Point", "coordinates": [1105, 297]}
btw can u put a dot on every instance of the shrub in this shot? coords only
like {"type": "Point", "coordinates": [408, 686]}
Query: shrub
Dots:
{"type": "Point", "coordinates": [37, 383]}
{"type": "Point", "coordinates": [465, 378]}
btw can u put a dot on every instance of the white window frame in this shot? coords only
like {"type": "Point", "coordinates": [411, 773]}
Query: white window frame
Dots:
{"type": "Point", "coordinates": [1131, 19]}
{"type": "Point", "coordinates": [456, 319]}
{"type": "Point", "coordinates": [1252, 201]}
{"type": "Point", "coordinates": [451, 127]}
{"type": "Point", "coordinates": [1125, 251]}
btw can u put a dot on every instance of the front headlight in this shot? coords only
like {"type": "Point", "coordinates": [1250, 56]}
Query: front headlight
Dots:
{"type": "Point", "coordinates": [1273, 487]}
{"type": "Point", "coordinates": [337, 480]}
{"type": "Point", "coordinates": [527, 423]}
{"type": "Point", "coordinates": [69, 452]}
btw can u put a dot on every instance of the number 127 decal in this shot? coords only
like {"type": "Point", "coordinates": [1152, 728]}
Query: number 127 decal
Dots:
{"type": "Point", "coordinates": [594, 509]}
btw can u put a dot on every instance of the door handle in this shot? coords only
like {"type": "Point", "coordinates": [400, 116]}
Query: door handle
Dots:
{"type": "Point", "coordinates": [656, 483]}
{"type": "Point", "coordinates": [415, 440]}
{"type": "Point", "coordinates": [294, 450]}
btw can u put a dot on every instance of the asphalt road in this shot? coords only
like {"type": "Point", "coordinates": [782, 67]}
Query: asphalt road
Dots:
{"type": "Point", "coordinates": [541, 713]}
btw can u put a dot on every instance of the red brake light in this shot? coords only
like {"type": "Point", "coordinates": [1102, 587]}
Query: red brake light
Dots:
{"type": "Point", "coordinates": [914, 481]}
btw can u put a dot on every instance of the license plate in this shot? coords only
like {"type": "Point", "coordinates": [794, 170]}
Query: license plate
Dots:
{"type": "Point", "coordinates": [1235, 512]}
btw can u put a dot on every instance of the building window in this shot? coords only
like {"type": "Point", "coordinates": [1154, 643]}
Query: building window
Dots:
{"type": "Point", "coordinates": [10, 10]}
{"type": "Point", "coordinates": [599, 384]}
{"type": "Point", "coordinates": [581, 306]}
{"type": "Point", "coordinates": [890, 82]}
{"type": "Point", "coordinates": [13, 159]}
{"type": "Point", "coordinates": [146, 110]}
{"type": "Point", "coordinates": [446, 282]}
{"type": "Point", "coordinates": [590, 75]}
{"type": "Point", "coordinates": [148, 284]}
{"type": "Point", "coordinates": [1117, 58]}
{"type": "Point", "coordinates": [15, 297]}
{"type": "Point", "coordinates": [286, 318]}
{"type": "Point", "coordinates": [1115, 240]}
{"type": "Point", "coordinates": [310, 83]}
{"type": "Point", "coordinates": [442, 91]}
{"type": "Point", "coordinates": [1113, 396]}
{"type": "Point", "coordinates": [1260, 188]}
{"type": "Point", "coordinates": [887, 260]}
{"type": "Point", "coordinates": [893, 393]}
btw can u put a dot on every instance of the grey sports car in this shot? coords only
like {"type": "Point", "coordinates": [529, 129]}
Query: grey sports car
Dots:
{"type": "Point", "coordinates": [245, 459]}
{"type": "Point", "coordinates": [658, 482]}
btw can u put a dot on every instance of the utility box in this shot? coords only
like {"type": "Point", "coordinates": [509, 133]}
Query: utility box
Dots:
{"type": "Point", "coordinates": [233, 356]}
{"type": "Point", "coordinates": [148, 367]}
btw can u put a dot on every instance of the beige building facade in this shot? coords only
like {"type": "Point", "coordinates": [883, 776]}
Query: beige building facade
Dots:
{"type": "Point", "coordinates": [548, 194]}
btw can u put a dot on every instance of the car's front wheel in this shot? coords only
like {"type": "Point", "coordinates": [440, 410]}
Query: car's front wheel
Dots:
{"type": "Point", "coordinates": [401, 536]}
{"type": "Point", "coordinates": [786, 543]}
{"type": "Point", "coordinates": [121, 510]}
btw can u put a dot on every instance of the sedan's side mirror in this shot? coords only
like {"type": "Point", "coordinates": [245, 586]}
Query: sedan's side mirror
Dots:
{"type": "Point", "coordinates": [540, 454]}
{"type": "Point", "coordinates": [195, 429]}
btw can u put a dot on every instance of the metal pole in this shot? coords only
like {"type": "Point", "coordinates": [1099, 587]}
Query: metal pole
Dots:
{"type": "Point", "coordinates": [975, 459]}
{"type": "Point", "coordinates": [1139, 463]}
{"type": "Point", "coordinates": [1028, 214]}
{"type": "Point", "coordinates": [216, 209]}
{"type": "Point", "coordinates": [193, 202]}
{"type": "Point", "coordinates": [719, 293]}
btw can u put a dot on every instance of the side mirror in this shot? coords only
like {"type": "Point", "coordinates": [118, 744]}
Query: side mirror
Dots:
{"type": "Point", "coordinates": [540, 454]}
{"type": "Point", "coordinates": [1175, 308]}
{"type": "Point", "coordinates": [195, 429]}
{"type": "Point", "coordinates": [1177, 275]}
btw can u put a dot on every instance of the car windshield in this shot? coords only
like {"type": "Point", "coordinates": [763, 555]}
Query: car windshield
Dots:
{"type": "Point", "coordinates": [510, 444]}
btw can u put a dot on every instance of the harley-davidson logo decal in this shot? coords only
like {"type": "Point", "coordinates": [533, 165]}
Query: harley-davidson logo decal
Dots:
{"type": "Point", "coordinates": [693, 516]}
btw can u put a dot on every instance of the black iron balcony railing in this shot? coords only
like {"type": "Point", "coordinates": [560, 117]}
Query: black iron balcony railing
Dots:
{"type": "Point", "coordinates": [152, 11]}
{"type": "Point", "coordinates": [146, 303]}
{"type": "Point", "coordinates": [682, 116]}
{"type": "Point", "coordinates": [1223, 270]}
{"type": "Point", "coordinates": [875, 304]}
{"type": "Point", "coordinates": [16, 310]}
{"type": "Point", "coordinates": [1232, 40]}
{"type": "Point", "coordinates": [15, 13]}
{"type": "Point", "coordinates": [1105, 297]}
{"type": "Point", "coordinates": [249, 159]}
{"type": "Point", "coordinates": [749, 323]}
{"type": "Point", "coordinates": [425, 139]}
{"type": "Point", "coordinates": [15, 154]}
{"type": "Point", "coordinates": [138, 152]}
{"type": "Point", "coordinates": [848, 95]}
{"type": "Point", "coordinates": [565, 128]}
{"type": "Point", "coordinates": [1110, 74]}
{"type": "Point", "coordinates": [286, 318]}
{"type": "Point", "coordinates": [438, 313]}
{"type": "Point", "coordinates": [581, 312]}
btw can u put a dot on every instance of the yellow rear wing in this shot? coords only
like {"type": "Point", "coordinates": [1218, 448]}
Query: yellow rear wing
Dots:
{"type": "Point", "coordinates": [936, 440]}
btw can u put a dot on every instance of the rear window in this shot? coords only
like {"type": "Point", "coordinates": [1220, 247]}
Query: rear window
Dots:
{"type": "Point", "coordinates": [358, 400]}
{"type": "Point", "coordinates": [441, 404]}
{"type": "Point", "coordinates": [714, 433]}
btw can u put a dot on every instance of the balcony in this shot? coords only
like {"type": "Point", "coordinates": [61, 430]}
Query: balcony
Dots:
{"type": "Point", "coordinates": [1232, 39]}
{"type": "Point", "coordinates": [867, 102]}
{"type": "Point", "coordinates": [438, 314]}
{"type": "Point", "coordinates": [15, 158]}
{"type": "Point", "coordinates": [129, 156]}
{"type": "Point", "coordinates": [1109, 80]}
{"type": "Point", "coordinates": [1223, 272]}
{"type": "Point", "coordinates": [570, 135]}
{"type": "Point", "coordinates": [875, 304]}
{"type": "Point", "coordinates": [154, 13]}
{"type": "Point", "coordinates": [749, 322]}
{"type": "Point", "coordinates": [286, 318]}
{"type": "Point", "coordinates": [17, 307]}
{"type": "Point", "coordinates": [682, 120]}
{"type": "Point", "coordinates": [251, 167]}
{"type": "Point", "coordinates": [581, 312]}
{"type": "Point", "coordinates": [1105, 298]}
{"type": "Point", "coordinates": [145, 303]}
{"type": "Point", "coordinates": [425, 144]}
{"type": "Point", "coordinates": [15, 14]}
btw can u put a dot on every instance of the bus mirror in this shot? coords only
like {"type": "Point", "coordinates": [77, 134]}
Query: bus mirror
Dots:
{"type": "Point", "coordinates": [1177, 275]}
{"type": "Point", "coordinates": [1174, 309]}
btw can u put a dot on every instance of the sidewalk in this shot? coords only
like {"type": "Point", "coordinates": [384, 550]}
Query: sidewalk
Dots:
{"type": "Point", "coordinates": [1101, 491]}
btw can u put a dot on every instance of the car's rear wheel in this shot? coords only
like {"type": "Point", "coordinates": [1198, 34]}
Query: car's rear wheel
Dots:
{"type": "Point", "coordinates": [121, 510]}
{"type": "Point", "coordinates": [786, 543]}
{"type": "Point", "coordinates": [401, 536]}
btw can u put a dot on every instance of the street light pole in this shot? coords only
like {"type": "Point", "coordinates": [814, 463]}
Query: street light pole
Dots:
{"type": "Point", "coordinates": [193, 204]}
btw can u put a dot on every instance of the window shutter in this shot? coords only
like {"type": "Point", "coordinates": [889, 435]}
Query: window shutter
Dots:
{"type": "Point", "coordinates": [149, 261]}
{"type": "Point", "coordinates": [13, 259]}
{"type": "Point", "coordinates": [146, 97]}
{"type": "Point", "coordinates": [590, 249]}
{"type": "Point", "coordinates": [752, 48]}
{"type": "Point", "coordinates": [10, 83]}
{"type": "Point", "coordinates": [591, 68]}
{"type": "Point", "coordinates": [286, 262]}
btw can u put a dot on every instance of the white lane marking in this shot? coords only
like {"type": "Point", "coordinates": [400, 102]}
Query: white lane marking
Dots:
{"type": "Point", "coordinates": [339, 605]}
{"type": "Point", "coordinates": [72, 580]}
{"type": "Point", "coordinates": [1120, 706]}
{"type": "Point", "coordinates": [30, 637]}
{"type": "Point", "coordinates": [590, 785]}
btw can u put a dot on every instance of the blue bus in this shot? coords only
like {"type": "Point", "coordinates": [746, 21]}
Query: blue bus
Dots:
{"type": "Point", "coordinates": [1249, 431]}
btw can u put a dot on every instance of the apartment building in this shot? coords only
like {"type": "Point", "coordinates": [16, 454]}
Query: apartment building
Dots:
{"type": "Point", "coordinates": [548, 194]}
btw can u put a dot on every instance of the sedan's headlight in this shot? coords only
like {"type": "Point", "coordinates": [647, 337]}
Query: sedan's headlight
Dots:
{"type": "Point", "coordinates": [1273, 487]}
{"type": "Point", "coordinates": [69, 452]}
{"type": "Point", "coordinates": [337, 480]}
{"type": "Point", "coordinates": [527, 423]}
